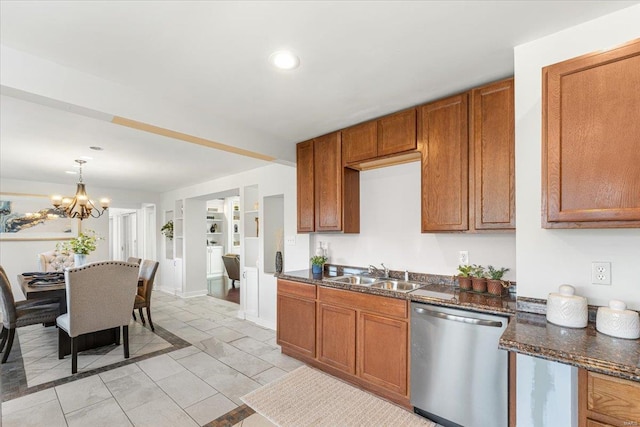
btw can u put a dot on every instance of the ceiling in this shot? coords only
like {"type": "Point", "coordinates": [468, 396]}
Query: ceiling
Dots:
{"type": "Point", "coordinates": [201, 68]}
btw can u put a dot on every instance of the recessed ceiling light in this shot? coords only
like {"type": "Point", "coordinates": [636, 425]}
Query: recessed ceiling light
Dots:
{"type": "Point", "coordinates": [96, 148]}
{"type": "Point", "coordinates": [284, 59]}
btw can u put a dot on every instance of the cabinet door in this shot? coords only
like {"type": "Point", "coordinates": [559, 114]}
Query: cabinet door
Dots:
{"type": "Point", "coordinates": [327, 153]}
{"type": "Point", "coordinates": [337, 337]}
{"type": "Point", "coordinates": [382, 352]}
{"type": "Point", "coordinates": [493, 152]}
{"type": "Point", "coordinates": [305, 186]}
{"type": "Point", "coordinates": [360, 142]}
{"type": "Point", "coordinates": [397, 133]}
{"type": "Point", "coordinates": [297, 324]}
{"type": "Point", "coordinates": [443, 136]}
{"type": "Point", "coordinates": [250, 291]}
{"type": "Point", "coordinates": [590, 172]}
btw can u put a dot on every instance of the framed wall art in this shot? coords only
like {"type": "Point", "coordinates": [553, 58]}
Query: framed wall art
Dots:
{"type": "Point", "coordinates": [32, 217]}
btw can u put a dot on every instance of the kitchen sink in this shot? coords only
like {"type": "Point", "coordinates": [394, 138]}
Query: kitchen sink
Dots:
{"type": "Point", "coordinates": [396, 285]}
{"type": "Point", "coordinates": [355, 280]}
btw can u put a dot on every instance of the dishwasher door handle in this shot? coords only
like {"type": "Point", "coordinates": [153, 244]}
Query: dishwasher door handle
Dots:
{"type": "Point", "coordinates": [455, 318]}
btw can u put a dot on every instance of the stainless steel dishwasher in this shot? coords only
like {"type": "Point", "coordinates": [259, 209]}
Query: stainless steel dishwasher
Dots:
{"type": "Point", "coordinates": [459, 377]}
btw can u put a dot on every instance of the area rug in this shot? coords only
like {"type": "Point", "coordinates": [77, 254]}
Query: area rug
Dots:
{"type": "Point", "coordinates": [308, 397]}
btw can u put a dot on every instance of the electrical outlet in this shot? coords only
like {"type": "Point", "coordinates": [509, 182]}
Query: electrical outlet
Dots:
{"type": "Point", "coordinates": [290, 240]}
{"type": "Point", "coordinates": [463, 257]}
{"type": "Point", "coordinates": [601, 273]}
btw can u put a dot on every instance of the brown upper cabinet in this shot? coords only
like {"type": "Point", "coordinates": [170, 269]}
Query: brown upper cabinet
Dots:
{"type": "Point", "coordinates": [387, 136]}
{"type": "Point", "coordinates": [305, 184]}
{"type": "Point", "coordinates": [492, 157]}
{"type": "Point", "coordinates": [590, 135]}
{"type": "Point", "coordinates": [468, 160]}
{"type": "Point", "coordinates": [328, 193]}
{"type": "Point", "coordinates": [444, 138]}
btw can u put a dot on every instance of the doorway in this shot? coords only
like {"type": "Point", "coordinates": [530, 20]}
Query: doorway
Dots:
{"type": "Point", "coordinates": [222, 237]}
{"type": "Point", "coordinates": [123, 233]}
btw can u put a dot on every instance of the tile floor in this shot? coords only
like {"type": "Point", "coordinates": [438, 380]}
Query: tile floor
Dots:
{"type": "Point", "coordinates": [192, 386]}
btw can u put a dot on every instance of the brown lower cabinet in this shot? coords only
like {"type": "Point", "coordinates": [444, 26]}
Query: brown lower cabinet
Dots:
{"type": "Point", "coordinates": [604, 400]}
{"type": "Point", "coordinates": [361, 338]}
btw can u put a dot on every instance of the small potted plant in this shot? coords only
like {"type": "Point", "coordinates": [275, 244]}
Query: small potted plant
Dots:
{"type": "Point", "coordinates": [464, 276]}
{"type": "Point", "coordinates": [478, 278]}
{"type": "Point", "coordinates": [495, 284]}
{"type": "Point", "coordinates": [167, 230]}
{"type": "Point", "coordinates": [80, 246]}
{"type": "Point", "coordinates": [317, 262]}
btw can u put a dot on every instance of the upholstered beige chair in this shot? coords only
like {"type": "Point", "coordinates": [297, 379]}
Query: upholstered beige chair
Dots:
{"type": "Point", "coordinates": [143, 299]}
{"type": "Point", "coordinates": [100, 296]}
{"type": "Point", "coordinates": [21, 313]}
{"type": "Point", "coordinates": [232, 265]}
{"type": "Point", "coordinates": [134, 260]}
{"type": "Point", "coordinates": [54, 261]}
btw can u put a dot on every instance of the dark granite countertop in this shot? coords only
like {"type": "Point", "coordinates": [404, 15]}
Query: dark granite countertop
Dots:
{"type": "Point", "coordinates": [528, 333]}
{"type": "Point", "coordinates": [587, 348]}
{"type": "Point", "coordinates": [438, 290]}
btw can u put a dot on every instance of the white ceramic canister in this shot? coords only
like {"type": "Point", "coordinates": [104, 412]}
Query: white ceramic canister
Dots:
{"type": "Point", "coordinates": [566, 309]}
{"type": "Point", "coordinates": [617, 321]}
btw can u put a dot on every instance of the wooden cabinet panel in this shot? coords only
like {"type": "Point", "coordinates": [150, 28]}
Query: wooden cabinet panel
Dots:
{"type": "Point", "coordinates": [592, 423]}
{"type": "Point", "coordinates": [356, 300]}
{"type": "Point", "coordinates": [443, 136]}
{"type": "Point", "coordinates": [297, 289]}
{"type": "Point", "coordinates": [604, 400]}
{"type": "Point", "coordinates": [305, 186]}
{"type": "Point", "coordinates": [297, 324]}
{"type": "Point", "coordinates": [493, 157]}
{"type": "Point", "coordinates": [591, 130]}
{"type": "Point", "coordinates": [337, 337]}
{"type": "Point", "coordinates": [614, 397]}
{"type": "Point", "coordinates": [397, 133]}
{"type": "Point", "coordinates": [383, 351]}
{"type": "Point", "coordinates": [328, 182]}
{"type": "Point", "coordinates": [360, 142]}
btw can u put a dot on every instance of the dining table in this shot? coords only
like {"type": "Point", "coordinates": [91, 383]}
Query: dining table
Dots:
{"type": "Point", "coordinates": [52, 286]}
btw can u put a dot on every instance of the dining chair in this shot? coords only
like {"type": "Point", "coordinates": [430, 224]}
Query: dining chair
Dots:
{"type": "Point", "coordinates": [54, 261]}
{"type": "Point", "coordinates": [134, 260]}
{"type": "Point", "coordinates": [143, 299]}
{"type": "Point", "coordinates": [232, 265]}
{"type": "Point", "coordinates": [100, 296]}
{"type": "Point", "coordinates": [16, 314]}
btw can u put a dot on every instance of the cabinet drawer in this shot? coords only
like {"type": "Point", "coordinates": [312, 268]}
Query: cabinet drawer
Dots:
{"type": "Point", "coordinates": [614, 397]}
{"type": "Point", "coordinates": [377, 304]}
{"type": "Point", "coordinates": [298, 289]}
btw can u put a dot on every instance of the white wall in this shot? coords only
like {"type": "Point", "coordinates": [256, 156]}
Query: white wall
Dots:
{"type": "Point", "coordinates": [272, 179]}
{"type": "Point", "coordinates": [19, 256]}
{"type": "Point", "coordinates": [390, 231]}
{"type": "Point", "coordinates": [548, 258]}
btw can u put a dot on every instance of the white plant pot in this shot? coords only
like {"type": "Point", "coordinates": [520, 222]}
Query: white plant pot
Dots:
{"type": "Point", "coordinates": [79, 260]}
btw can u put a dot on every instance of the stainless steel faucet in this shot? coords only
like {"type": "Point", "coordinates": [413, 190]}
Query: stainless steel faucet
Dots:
{"type": "Point", "coordinates": [385, 272]}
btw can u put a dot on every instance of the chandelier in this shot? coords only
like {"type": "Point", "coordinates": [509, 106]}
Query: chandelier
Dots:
{"type": "Point", "coordinates": [80, 206]}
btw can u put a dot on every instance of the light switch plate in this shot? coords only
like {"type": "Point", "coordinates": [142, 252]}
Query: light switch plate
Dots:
{"type": "Point", "coordinates": [290, 240]}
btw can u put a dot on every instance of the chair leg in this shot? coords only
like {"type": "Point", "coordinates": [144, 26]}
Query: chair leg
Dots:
{"type": "Point", "coordinates": [133, 313]}
{"type": "Point", "coordinates": [3, 336]}
{"type": "Point", "coordinates": [233, 283]}
{"type": "Point", "coordinates": [149, 317]}
{"type": "Point", "coordinates": [12, 333]}
{"type": "Point", "coordinates": [125, 338]}
{"type": "Point", "coordinates": [61, 343]}
{"type": "Point", "coordinates": [141, 316]}
{"type": "Point", "coordinates": [74, 355]}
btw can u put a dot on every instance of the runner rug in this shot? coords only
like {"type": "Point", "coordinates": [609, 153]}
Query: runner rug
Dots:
{"type": "Point", "coordinates": [308, 397]}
